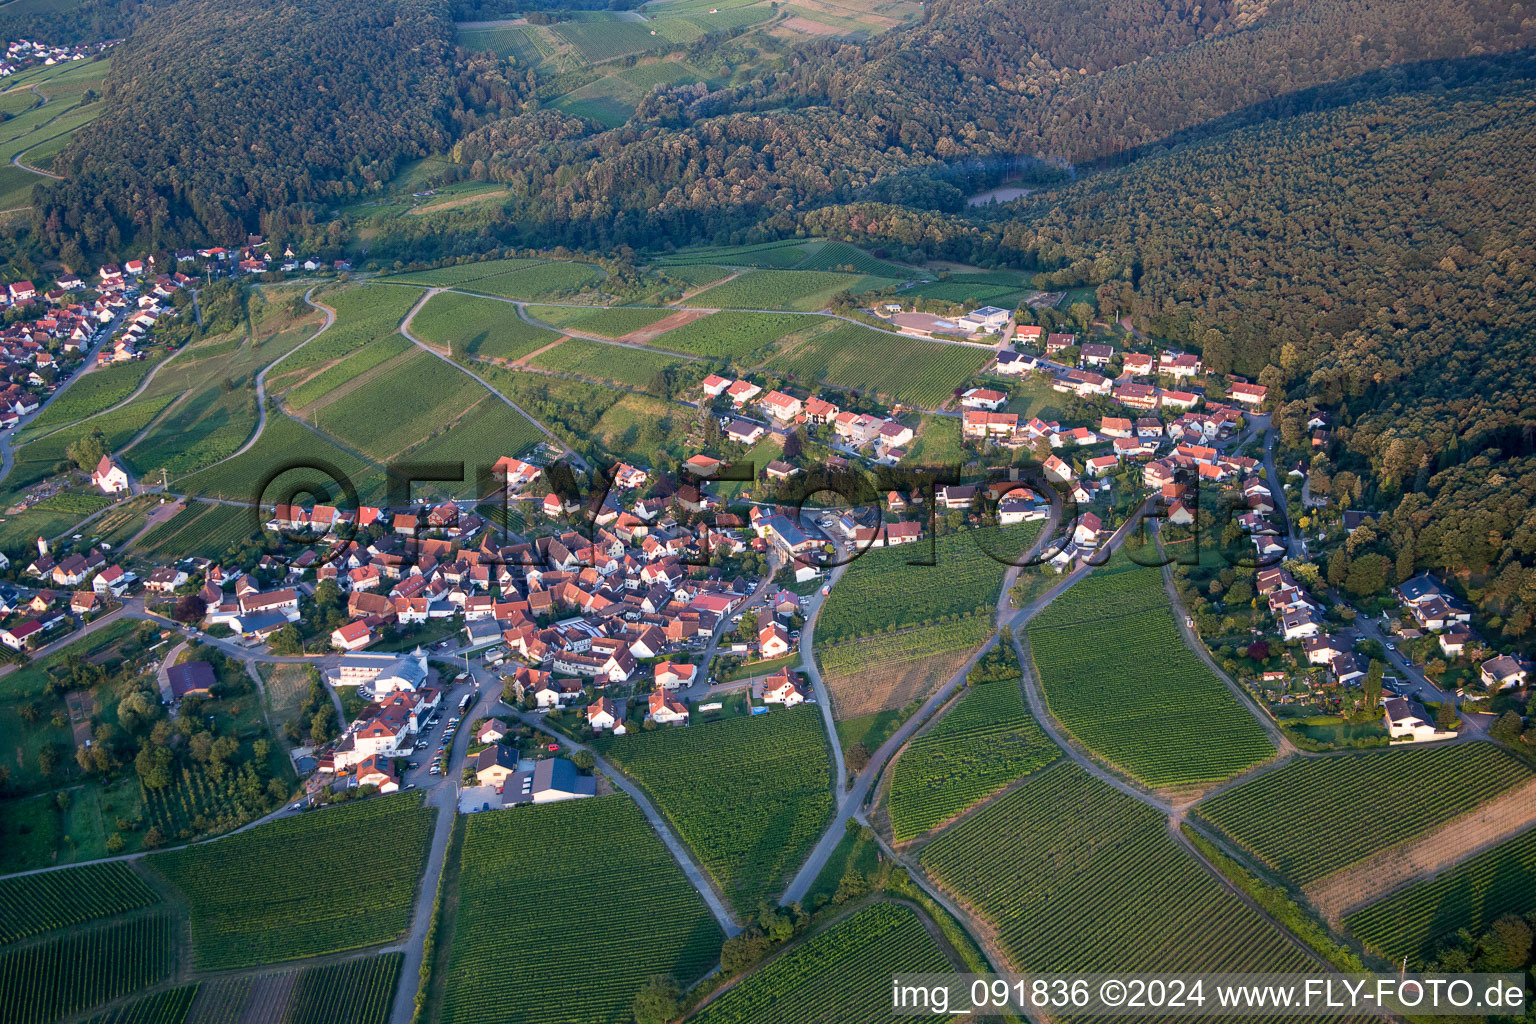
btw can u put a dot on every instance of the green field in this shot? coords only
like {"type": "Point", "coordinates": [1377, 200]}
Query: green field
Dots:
{"type": "Point", "coordinates": [277, 459]}
{"type": "Point", "coordinates": [848, 259]}
{"type": "Point", "coordinates": [253, 901]}
{"type": "Point", "coordinates": [540, 281]}
{"type": "Point", "coordinates": [748, 795]}
{"type": "Point", "coordinates": [614, 322]}
{"type": "Point", "coordinates": [170, 1006]}
{"type": "Point", "coordinates": [605, 893]}
{"type": "Point", "coordinates": [1073, 875]}
{"type": "Point", "coordinates": [53, 980]}
{"type": "Point", "coordinates": [201, 529]}
{"type": "Point", "coordinates": [92, 393]}
{"type": "Point", "coordinates": [38, 459]}
{"type": "Point", "coordinates": [32, 904]}
{"type": "Point", "coordinates": [462, 273]}
{"type": "Point", "coordinates": [364, 315]}
{"type": "Point", "coordinates": [881, 591]}
{"type": "Point", "coordinates": [1116, 674]}
{"type": "Point", "coordinates": [988, 740]}
{"type": "Point", "coordinates": [602, 361]}
{"type": "Point", "coordinates": [1317, 815]}
{"type": "Point", "coordinates": [422, 394]}
{"type": "Point", "coordinates": [841, 974]}
{"type": "Point", "coordinates": [481, 327]}
{"type": "Point", "coordinates": [1472, 895]}
{"type": "Point", "coordinates": [781, 255]}
{"type": "Point", "coordinates": [746, 338]}
{"type": "Point", "coordinates": [912, 370]}
{"type": "Point", "coordinates": [492, 429]}
{"type": "Point", "coordinates": [803, 290]}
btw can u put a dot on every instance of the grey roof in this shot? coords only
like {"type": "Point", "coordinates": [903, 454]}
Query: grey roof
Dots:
{"type": "Point", "coordinates": [556, 774]}
{"type": "Point", "coordinates": [189, 676]}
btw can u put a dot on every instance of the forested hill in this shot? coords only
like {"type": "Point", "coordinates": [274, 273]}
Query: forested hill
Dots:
{"type": "Point", "coordinates": [225, 117]}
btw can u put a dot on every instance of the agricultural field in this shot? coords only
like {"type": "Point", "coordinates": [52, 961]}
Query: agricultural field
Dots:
{"type": "Point", "coordinates": [748, 795]}
{"type": "Point", "coordinates": [882, 592]}
{"type": "Point", "coordinates": [422, 393]}
{"type": "Point", "coordinates": [33, 904]}
{"type": "Point", "coordinates": [356, 991]}
{"type": "Point", "coordinates": [888, 671]}
{"type": "Point", "coordinates": [622, 926]}
{"type": "Point", "coordinates": [911, 370]}
{"type": "Point", "coordinates": [605, 322]}
{"type": "Point", "coordinates": [601, 361]}
{"type": "Point", "coordinates": [1472, 895]}
{"type": "Point", "coordinates": [1117, 675]}
{"type": "Point", "coordinates": [462, 273]}
{"type": "Point", "coordinates": [492, 429]}
{"type": "Point", "coordinates": [1073, 875]}
{"type": "Point", "coordinates": [1316, 815]}
{"type": "Point", "coordinates": [997, 288]}
{"type": "Point", "coordinates": [781, 255]}
{"type": "Point", "coordinates": [50, 981]}
{"type": "Point", "coordinates": [166, 1007]}
{"type": "Point", "coordinates": [250, 907]}
{"type": "Point", "coordinates": [533, 281]}
{"type": "Point", "coordinates": [201, 529]}
{"type": "Point", "coordinates": [985, 742]}
{"type": "Point", "coordinates": [93, 393]}
{"type": "Point", "coordinates": [802, 290]}
{"type": "Point", "coordinates": [597, 41]}
{"type": "Point", "coordinates": [364, 314]}
{"type": "Point", "coordinates": [848, 259]}
{"type": "Point", "coordinates": [279, 459]}
{"type": "Point", "coordinates": [745, 338]}
{"type": "Point", "coordinates": [38, 459]}
{"type": "Point", "coordinates": [695, 275]}
{"type": "Point", "coordinates": [477, 326]}
{"type": "Point", "coordinates": [520, 42]}
{"type": "Point", "coordinates": [841, 973]}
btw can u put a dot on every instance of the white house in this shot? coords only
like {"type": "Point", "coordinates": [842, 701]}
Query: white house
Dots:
{"type": "Point", "coordinates": [666, 711]}
{"type": "Point", "coordinates": [109, 477]}
{"type": "Point", "coordinates": [1403, 723]}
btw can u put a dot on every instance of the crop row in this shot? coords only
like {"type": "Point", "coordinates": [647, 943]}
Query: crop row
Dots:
{"type": "Point", "coordinates": [94, 392]}
{"type": "Point", "coordinates": [492, 429]}
{"type": "Point", "coordinates": [607, 895]}
{"type": "Point", "coordinates": [743, 337]}
{"type": "Point", "coordinates": [462, 273]}
{"type": "Point", "coordinates": [606, 322]}
{"type": "Point", "coordinates": [358, 991]}
{"type": "Point", "coordinates": [364, 314]}
{"type": "Point", "coordinates": [30, 904]}
{"type": "Point", "coordinates": [421, 392]}
{"type": "Point", "coordinates": [841, 256]}
{"type": "Point", "coordinates": [1076, 876]}
{"type": "Point", "coordinates": [53, 980]}
{"type": "Point", "coordinates": [477, 326]}
{"type": "Point", "coordinates": [881, 591]}
{"type": "Point", "coordinates": [913, 644]}
{"type": "Point", "coordinates": [1118, 676]}
{"type": "Point", "coordinates": [541, 281]}
{"type": "Point", "coordinates": [842, 974]}
{"type": "Point", "coordinates": [1500, 880]}
{"type": "Point", "coordinates": [779, 255]}
{"type": "Point", "coordinates": [987, 741]}
{"type": "Point", "coordinates": [803, 290]}
{"type": "Point", "coordinates": [254, 901]}
{"type": "Point", "coordinates": [1317, 815]}
{"type": "Point", "coordinates": [632, 366]}
{"type": "Point", "coordinates": [913, 370]}
{"type": "Point", "coordinates": [168, 1007]}
{"type": "Point", "coordinates": [272, 453]}
{"type": "Point", "coordinates": [749, 795]}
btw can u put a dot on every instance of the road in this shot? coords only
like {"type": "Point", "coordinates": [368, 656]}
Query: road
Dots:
{"type": "Point", "coordinates": [1295, 544]}
{"type": "Point", "coordinates": [405, 329]}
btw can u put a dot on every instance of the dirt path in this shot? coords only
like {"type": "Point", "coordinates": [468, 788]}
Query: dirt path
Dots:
{"type": "Point", "coordinates": [1424, 856]}
{"type": "Point", "coordinates": [524, 360]}
{"type": "Point", "coordinates": [645, 334]}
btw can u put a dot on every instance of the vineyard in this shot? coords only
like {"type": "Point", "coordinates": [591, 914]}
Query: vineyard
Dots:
{"type": "Point", "coordinates": [881, 592]}
{"type": "Point", "coordinates": [891, 670]}
{"type": "Point", "coordinates": [486, 328]}
{"type": "Point", "coordinates": [1118, 676]}
{"type": "Point", "coordinates": [540, 281]}
{"type": "Point", "coordinates": [840, 974]}
{"type": "Point", "coordinates": [802, 290]}
{"type": "Point", "coordinates": [848, 259]}
{"type": "Point", "coordinates": [608, 896]}
{"type": "Point", "coordinates": [463, 273]}
{"type": "Point", "coordinates": [632, 366]}
{"type": "Point", "coordinates": [781, 255]}
{"type": "Point", "coordinates": [278, 448]}
{"type": "Point", "coordinates": [32, 904]}
{"type": "Point", "coordinates": [358, 991]}
{"type": "Point", "coordinates": [988, 740]}
{"type": "Point", "coordinates": [1074, 875]}
{"type": "Point", "coordinates": [748, 795]}
{"type": "Point", "coordinates": [913, 370]}
{"type": "Point", "coordinates": [421, 392]}
{"type": "Point", "coordinates": [92, 393]}
{"type": "Point", "coordinates": [598, 41]}
{"type": "Point", "coordinates": [46, 982]}
{"type": "Point", "coordinates": [1410, 923]}
{"type": "Point", "coordinates": [492, 429]}
{"type": "Point", "coordinates": [168, 1007]}
{"type": "Point", "coordinates": [612, 322]}
{"type": "Point", "coordinates": [194, 803]}
{"type": "Point", "coordinates": [38, 459]}
{"type": "Point", "coordinates": [350, 368]}
{"type": "Point", "coordinates": [254, 902]}
{"type": "Point", "coordinates": [363, 315]}
{"type": "Point", "coordinates": [201, 529]}
{"type": "Point", "coordinates": [1317, 815]}
{"type": "Point", "coordinates": [747, 338]}
{"type": "Point", "coordinates": [696, 275]}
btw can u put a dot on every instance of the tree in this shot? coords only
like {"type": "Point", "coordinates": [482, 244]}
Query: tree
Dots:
{"type": "Point", "coordinates": [584, 760]}
{"type": "Point", "coordinates": [657, 1002]}
{"type": "Point", "coordinates": [287, 641]}
{"type": "Point", "coordinates": [1446, 718]}
{"type": "Point", "coordinates": [87, 452]}
{"type": "Point", "coordinates": [1372, 685]}
{"type": "Point", "coordinates": [1507, 728]}
{"type": "Point", "coordinates": [1506, 946]}
{"type": "Point", "coordinates": [856, 757]}
{"type": "Point", "coordinates": [190, 608]}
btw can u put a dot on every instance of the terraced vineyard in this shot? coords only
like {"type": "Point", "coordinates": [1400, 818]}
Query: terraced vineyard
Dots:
{"type": "Point", "coordinates": [840, 974]}
{"type": "Point", "coordinates": [32, 904]}
{"type": "Point", "coordinates": [1472, 895]}
{"type": "Point", "coordinates": [987, 741]}
{"type": "Point", "coordinates": [1317, 815]}
{"type": "Point", "coordinates": [250, 906]}
{"type": "Point", "coordinates": [484, 328]}
{"type": "Point", "coordinates": [744, 337]}
{"type": "Point", "coordinates": [913, 370]}
{"type": "Point", "coordinates": [1074, 875]}
{"type": "Point", "coordinates": [608, 896]}
{"type": "Point", "coordinates": [53, 980]}
{"type": "Point", "coordinates": [748, 795]}
{"type": "Point", "coordinates": [1117, 675]}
